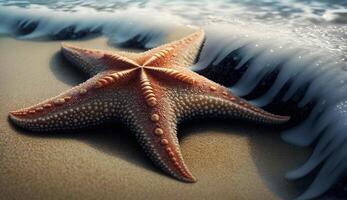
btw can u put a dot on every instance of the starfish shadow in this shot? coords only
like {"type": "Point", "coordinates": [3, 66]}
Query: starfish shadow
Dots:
{"type": "Point", "coordinates": [64, 71]}
{"type": "Point", "coordinates": [114, 140]}
{"type": "Point", "coordinates": [272, 157]}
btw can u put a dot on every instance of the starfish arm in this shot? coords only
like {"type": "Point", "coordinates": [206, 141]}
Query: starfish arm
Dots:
{"type": "Point", "coordinates": [92, 61]}
{"type": "Point", "coordinates": [160, 143]}
{"type": "Point", "coordinates": [196, 106]}
{"type": "Point", "coordinates": [82, 106]}
{"type": "Point", "coordinates": [154, 125]}
{"type": "Point", "coordinates": [181, 53]}
{"type": "Point", "coordinates": [205, 97]}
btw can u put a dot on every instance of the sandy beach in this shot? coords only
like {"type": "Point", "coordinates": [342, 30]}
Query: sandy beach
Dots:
{"type": "Point", "coordinates": [230, 161]}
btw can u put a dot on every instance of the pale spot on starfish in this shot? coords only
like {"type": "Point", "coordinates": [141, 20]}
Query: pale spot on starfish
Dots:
{"type": "Point", "coordinates": [155, 118]}
{"type": "Point", "coordinates": [59, 101]}
{"type": "Point", "coordinates": [82, 91]}
{"type": "Point", "coordinates": [158, 131]}
{"type": "Point", "coordinates": [164, 141]}
{"type": "Point", "coordinates": [213, 88]}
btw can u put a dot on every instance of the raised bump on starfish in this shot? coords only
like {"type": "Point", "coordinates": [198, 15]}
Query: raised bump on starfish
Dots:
{"type": "Point", "coordinates": [147, 90]}
{"type": "Point", "coordinates": [174, 74]}
{"type": "Point", "coordinates": [150, 92]}
{"type": "Point", "coordinates": [113, 77]}
{"type": "Point", "coordinates": [181, 53]}
{"type": "Point", "coordinates": [92, 61]}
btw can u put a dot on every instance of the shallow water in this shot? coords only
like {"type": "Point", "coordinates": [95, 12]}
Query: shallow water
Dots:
{"type": "Point", "coordinates": [318, 22]}
{"type": "Point", "coordinates": [285, 56]}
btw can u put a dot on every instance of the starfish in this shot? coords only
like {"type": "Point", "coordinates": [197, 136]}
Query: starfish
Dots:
{"type": "Point", "coordinates": [150, 92]}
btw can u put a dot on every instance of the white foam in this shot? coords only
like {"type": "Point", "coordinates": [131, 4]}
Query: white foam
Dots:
{"type": "Point", "coordinates": [297, 66]}
{"type": "Point", "coordinates": [120, 27]}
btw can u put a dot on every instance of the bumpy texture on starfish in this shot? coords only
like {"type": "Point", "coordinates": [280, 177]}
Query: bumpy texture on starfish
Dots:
{"type": "Point", "coordinates": [150, 92]}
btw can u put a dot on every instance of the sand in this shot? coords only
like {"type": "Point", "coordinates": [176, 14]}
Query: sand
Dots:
{"type": "Point", "coordinates": [230, 161]}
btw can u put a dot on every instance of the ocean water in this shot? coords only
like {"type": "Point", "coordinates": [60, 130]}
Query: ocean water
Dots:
{"type": "Point", "coordinates": [288, 57]}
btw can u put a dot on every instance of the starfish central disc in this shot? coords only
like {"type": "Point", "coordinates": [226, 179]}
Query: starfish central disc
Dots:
{"type": "Point", "coordinates": [150, 92]}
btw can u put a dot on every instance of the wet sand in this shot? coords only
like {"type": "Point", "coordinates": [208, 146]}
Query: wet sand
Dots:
{"type": "Point", "coordinates": [230, 161]}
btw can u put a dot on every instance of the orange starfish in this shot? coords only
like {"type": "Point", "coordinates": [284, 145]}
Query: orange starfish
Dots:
{"type": "Point", "coordinates": [150, 92]}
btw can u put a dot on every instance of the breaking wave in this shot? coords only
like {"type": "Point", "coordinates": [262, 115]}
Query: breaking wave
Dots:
{"type": "Point", "coordinates": [272, 68]}
{"type": "Point", "coordinates": [288, 78]}
{"type": "Point", "coordinates": [122, 28]}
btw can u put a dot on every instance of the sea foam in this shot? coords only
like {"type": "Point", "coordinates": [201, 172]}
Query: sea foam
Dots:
{"type": "Point", "coordinates": [122, 28]}
{"type": "Point", "coordinates": [274, 69]}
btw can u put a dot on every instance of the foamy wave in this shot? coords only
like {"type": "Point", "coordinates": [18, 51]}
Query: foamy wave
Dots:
{"type": "Point", "coordinates": [336, 15]}
{"type": "Point", "coordinates": [131, 26]}
{"type": "Point", "coordinates": [290, 78]}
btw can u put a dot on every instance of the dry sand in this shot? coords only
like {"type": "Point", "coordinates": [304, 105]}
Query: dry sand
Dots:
{"type": "Point", "coordinates": [231, 161]}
